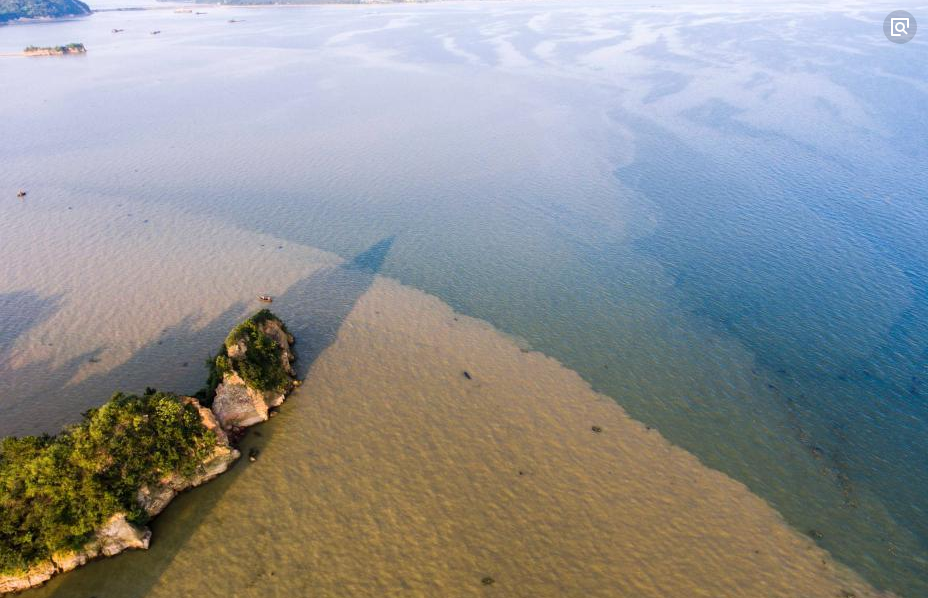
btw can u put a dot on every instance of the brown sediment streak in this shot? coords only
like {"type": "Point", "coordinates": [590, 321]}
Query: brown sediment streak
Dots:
{"type": "Point", "coordinates": [393, 473]}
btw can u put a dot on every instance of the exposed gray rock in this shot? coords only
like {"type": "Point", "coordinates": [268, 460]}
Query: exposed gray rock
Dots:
{"type": "Point", "coordinates": [116, 535]}
{"type": "Point", "coordinates": [238, 405]}
{"type": "Point", "coordinates": [35, 576]}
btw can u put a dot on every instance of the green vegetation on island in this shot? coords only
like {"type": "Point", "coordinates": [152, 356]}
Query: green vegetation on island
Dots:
{"type": "Point", "coordinates": [260, 364]}
{"type": "Point", "coordinates": [55, 491]}
{"type": "Point", "coordinates": [41, 9]}
{"type": "Point", "coordinates": [253, 354]}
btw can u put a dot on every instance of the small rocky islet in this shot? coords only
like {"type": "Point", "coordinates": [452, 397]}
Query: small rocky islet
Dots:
{"type": "Point", "coordinates": [125, 462]}
{"type": "Point", "coordinates": [73, 48]}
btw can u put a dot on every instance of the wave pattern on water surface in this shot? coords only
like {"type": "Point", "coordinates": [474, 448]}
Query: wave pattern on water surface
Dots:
{"type": "Point", "coordinates": [714, 214]}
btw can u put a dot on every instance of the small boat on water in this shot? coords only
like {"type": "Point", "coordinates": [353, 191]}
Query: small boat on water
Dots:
{"type": "Point", "coordinates": [21, 194]}
{"type": "Point", "coordinates": [118, 30]}
{"type": "Point", "coordinates": [156, 32]}
{"type": "Point", "coordinates": [235, 20]}
{"type": "Point", "coordinates": [265, 298]}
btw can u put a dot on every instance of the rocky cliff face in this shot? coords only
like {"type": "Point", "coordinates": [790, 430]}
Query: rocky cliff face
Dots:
{"type": "Point", "coordinates": [116, 535]}
{"type": "Point", "coordinates": [155, 498]}
{"type": "Point", "coordinates": [237, 405]}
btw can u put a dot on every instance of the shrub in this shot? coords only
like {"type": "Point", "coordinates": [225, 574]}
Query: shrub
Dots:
{"type": "Point", "coordinates": [261, 366]}
{"type": "Point", "coordinates": [216, 367]}
{"type": "Point", "coordinates": [56, 490]}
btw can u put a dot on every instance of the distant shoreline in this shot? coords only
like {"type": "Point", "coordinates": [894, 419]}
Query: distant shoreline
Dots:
{"type": "Point", "coordinates": [40, 20]}
{"type": "Point", "coordinates": [193, 5]}
{"type": "Point", "coordinates": [174, 6]}
{"type": "Point", "coordinates": [269, 4]}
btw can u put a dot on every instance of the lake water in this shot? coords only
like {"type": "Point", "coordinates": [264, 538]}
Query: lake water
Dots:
{"type": "Point", "coordinates": [715, 215]}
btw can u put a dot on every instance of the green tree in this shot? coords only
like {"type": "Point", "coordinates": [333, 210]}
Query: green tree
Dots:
{"type": "Point", "coordinates": [56, 490]}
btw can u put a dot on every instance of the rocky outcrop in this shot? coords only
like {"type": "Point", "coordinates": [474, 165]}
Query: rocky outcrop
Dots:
{"type": "Point", "coordinates": [155, 498]}
{"type": "Point", "coordinates": [236, 405]}
{"type": "Point", "coordinates": [239, 405]}
{"type": "Point", "coordinates": [55, 50]}
{"type": "Point", "coordinates": [35, 576]}
{"type": "Point", "coordinates": [116, 535]}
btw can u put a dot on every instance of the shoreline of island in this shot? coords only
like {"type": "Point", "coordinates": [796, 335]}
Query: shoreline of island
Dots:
{"type": "Point", "coordinates": [42, 10]}
{"type": "Point", "coordinates": [248, 379]}
{"type": "Point", "coordinates": [68, 49]}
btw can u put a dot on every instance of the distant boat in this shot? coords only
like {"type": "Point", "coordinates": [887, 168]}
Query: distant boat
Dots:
{"type": "Point", "coordinates": [199, 13]}
{"type": "Point", "coordinates": [156, 32]}
{"type": "Point", "coordinates": [234, 21]}
{"type": "Point", "coordinates": [21, 194]}
{"type": "Point", "coordinates": [117, 30]}
{"type": "Point", "coordinates": [265, 298]}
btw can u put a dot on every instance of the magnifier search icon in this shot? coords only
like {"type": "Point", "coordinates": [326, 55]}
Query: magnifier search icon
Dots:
{"type": "Point", "coordinates": [900, 27]}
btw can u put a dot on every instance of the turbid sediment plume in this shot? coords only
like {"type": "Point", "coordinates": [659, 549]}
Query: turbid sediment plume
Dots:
{"type": "Point", "coordinates": [394, 473]}
{"type": "Point", "coordinates": [391, 472]}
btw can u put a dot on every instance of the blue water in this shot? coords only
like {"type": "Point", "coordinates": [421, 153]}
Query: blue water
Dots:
{"type": "Point", "coordinates": [716, 215]}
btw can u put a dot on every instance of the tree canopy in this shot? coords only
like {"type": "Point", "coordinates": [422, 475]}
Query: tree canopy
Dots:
{"type": "Point", "coordinates": [34, 9]}
{"type": "Point", "coordinates": [55, 491]}
{"type": "Point", "coordinates": [260, 366]}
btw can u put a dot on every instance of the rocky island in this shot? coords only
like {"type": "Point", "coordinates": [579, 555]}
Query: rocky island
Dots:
{"type": "Point", "coordinates": [55, 50]}
{"type": "Point", "coordinates": [89, 491]}
{"type": "Point", "coordinates": [12, 10]}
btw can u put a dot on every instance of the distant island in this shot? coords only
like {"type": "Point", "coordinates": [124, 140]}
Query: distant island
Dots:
{"type": "Point", "coordinates": [55, 50]}
{"type": "Point", "coordinates": [11, 10]}
{"type": "Point", "coordinates": [89, 491]}
{"type": "Point", "coordinates": [298, 2]}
